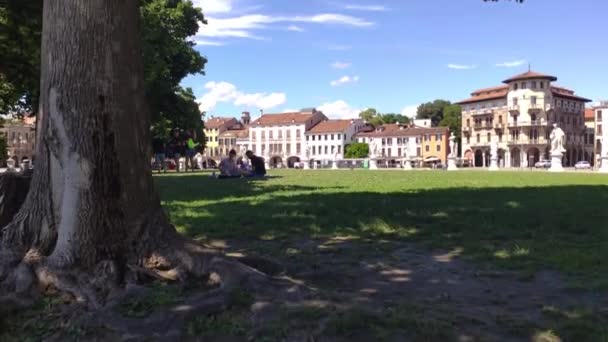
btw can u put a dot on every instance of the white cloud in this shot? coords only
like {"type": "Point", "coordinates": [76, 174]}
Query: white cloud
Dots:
{"type": "Point", "coordinates": [461, 66]}
{"type": "Point", "coordinates": [295, 28]}
{"type": "Point", "coordinates": [213, 6]}
{"type": "Point", "coordinates": [227, 92]}
{"type": "Point", "coordinates": [344, 80]}
{"type": "Point", "coordinates": [245, 26]}
{"type": "Point", "coordinates": [512, 64]}
{"type": "Point", "coordinates": [339, 110]}
{"type": "Point", "coordinates": [208, 42]}
{"type": "Point", "coordinates": [341, 65]}
{"type": "Point", "coordinates": [372, 8]}
{"type": "Point", "coordinates": [410, 111]}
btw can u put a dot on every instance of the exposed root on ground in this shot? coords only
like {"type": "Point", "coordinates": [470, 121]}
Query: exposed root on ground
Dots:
{"type": "Point", "coordinates": [99, 290]}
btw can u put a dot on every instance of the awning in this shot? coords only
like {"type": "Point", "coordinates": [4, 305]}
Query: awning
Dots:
{"type": "Point", "coordinates": [431, 159]}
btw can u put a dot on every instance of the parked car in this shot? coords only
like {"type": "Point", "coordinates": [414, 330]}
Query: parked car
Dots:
{"type": "Point", "coordinates": [543, 164]}
{"type": "Point", "coordinates": [582, 165]}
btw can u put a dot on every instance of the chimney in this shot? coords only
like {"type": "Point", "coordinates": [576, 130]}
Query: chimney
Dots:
{"type": "Point", "coordinates": [245, 118]}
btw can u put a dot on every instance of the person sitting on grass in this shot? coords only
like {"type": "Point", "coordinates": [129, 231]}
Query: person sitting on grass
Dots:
{"type": "Point", "coordinates": [258, 169]}
{"type": "Point", "coordinates": [228, 167]}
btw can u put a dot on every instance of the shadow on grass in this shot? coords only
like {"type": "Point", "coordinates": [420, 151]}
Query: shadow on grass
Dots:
{"type": "Point", "coordinates": [561, 227]}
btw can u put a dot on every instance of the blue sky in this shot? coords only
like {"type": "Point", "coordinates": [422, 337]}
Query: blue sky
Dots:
{"type": "Point", "coordinates": [346, 55]}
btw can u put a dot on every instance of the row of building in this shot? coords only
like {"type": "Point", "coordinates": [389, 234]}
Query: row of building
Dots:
{"type": "Point", "coordinates": [20, 136]}
{"type": "Point", "coordinates": [286, 139]}
{"type": "Point", "coordinates": [518, 115]}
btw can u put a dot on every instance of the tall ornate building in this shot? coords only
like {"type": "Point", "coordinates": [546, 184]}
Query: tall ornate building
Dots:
{"type": "Point", "coordinates": [520, 115]}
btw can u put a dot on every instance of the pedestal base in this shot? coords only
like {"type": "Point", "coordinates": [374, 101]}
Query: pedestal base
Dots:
{"type": "Point", "coordinates": [334, 165]}
{"type": "Point", "coordinates": [452, 164]}
{"type": "Point", "coordinates": [556, 163]}
{"type": "Point", "coordinates": [493, 164]}
{"type": "Point", "coordinates": [373, 164]}
{"type": "Point", "coordinates": [306, 165]}
{"type": "Point", "coordinates": [407, 165]}
{"type": "Point", "coordinates": [604, 165]}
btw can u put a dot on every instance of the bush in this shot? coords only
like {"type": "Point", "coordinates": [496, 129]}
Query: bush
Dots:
{"type": "Point", "coordinates": [356, 150]}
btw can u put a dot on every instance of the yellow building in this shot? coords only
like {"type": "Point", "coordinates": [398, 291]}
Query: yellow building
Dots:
{"type": "Point", "coordinates": [213, 128]}
{"type": "Point", "coordinates": [435, 144]}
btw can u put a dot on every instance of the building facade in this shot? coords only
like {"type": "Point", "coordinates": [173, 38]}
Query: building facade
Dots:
{"type": "Point", "coordinates": [398, 143]}
{"type": "Point", "coordinates": [235, 137]}
{"type": "Point", "coordinates": [519, 116]}
{"type": "Point", "coordinates": [280, 138]}
{"type": "Point", "coordinates": [601, 132]}
{"type": "Point", "coordinates": [589, 137]}
{"type": "Point", "coordinates": [328, 139]}
{"type": "Point", "coordinates": [20, 138]}
{"type": "Point", "coordinates": [213, 128]}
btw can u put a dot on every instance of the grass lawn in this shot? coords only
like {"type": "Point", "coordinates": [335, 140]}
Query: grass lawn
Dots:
{"type": "Point", "coordinates": [525, 221]}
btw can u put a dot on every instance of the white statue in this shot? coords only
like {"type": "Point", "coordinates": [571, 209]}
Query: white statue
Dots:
{"type": "Point", "coordinates": [452, 146]}
{"type": "Point", "coordinates": [243, 150]}
{"type": "Point", "coordinates": [494, 148]}
{"type": "Point", "coordinates": [336, 155]}
{"type": "Point", "coordinates": [373, 149]}
{"type": "Point", "coordinates": [558, 140]}
{"type": "Point", "coordinates": [307, 151]}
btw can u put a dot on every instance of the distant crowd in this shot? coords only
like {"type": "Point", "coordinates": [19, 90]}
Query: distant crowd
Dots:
{"type": "Point", "coordinates": [181, 144]}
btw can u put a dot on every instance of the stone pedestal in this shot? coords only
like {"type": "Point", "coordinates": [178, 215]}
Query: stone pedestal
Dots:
{"type": "Point", "coordinates": [493, 164]}
{"type": "Point", "coordinates": [334, 165]}
{"type": "Point", "coordinates": [556, 162]}
{"type": "Point", "coordinates": [373, 164]}
{"type": "Point", "coordinates": [604, 165]}
{"type": "Point", "coordinates": [452, 164]}
{"type": "Point", "coordinates": [407, 165]}
{"type": "Point", "coordinates": [306, 165]}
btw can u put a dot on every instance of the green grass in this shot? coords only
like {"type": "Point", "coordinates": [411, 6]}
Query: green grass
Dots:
{"type": "Point", "coordinates": [523, 221]}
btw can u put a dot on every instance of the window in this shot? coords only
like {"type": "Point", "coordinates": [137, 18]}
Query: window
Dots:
{"type": "Point", "coordinates": [437, 137]}
{"type": "Point", "coordinates": [326, 149]}
{"type": "Point", "coordinates": [438, 148]}
{"type": "Point", "coordinates": [344, 136]}
{"type": "Point", "coordinates": [499, 137]}
{"type": "Point", "coordinates": [389, 152]}
{"type": "Point", "coordinates": [314, 150]}
{"type": "Point", "coordinates": [428, 148]}
{"type": "Point", "coordinates": [489, 137]}
{"type": "Point", "coordinates": [263, 135]}
{"type": "Point", "coordinates": [298, 148]}
{"type": "Point", "coordinates": [533, 84]}
{"type": "Point", "coordinates": [298, 133]}
{"type": "Point", "coordinates": [253, 135]}
{"type": "Point", "coordinates": [599, 115]}
{"type": "Point", "coordinates": [308, 138]}
{"type": "Point", "coordinates": [326, 137]}
{"type": "Point", "coordinates": [500, 119]}
{"type": "Point", "coordinates": [524, 85]}
{"type": "Point", "coordinates": [542, 85]}
{"type": "Point", "coordinates": [383, 141]}
{"type": "Point", "coordinates": [332, 137]}
{"type": "Point", "coordinates": [468, 122]}
{"type": "Point", "coordinates": [313, 138]}
{"type": "Point", "coordinates": [399, 152]}
{"type": "Point", "coordinates": [533, 100]}
{"type": "Point", "coordinates": [389, 141]}
{"type": "Point", "coordinates": [254, 148]}
{"type": "Point", "coordinates": [333, 149]}
{"type": "Point", "coordinates": [288, 150]}
{"type": "Point", "coordinates": [515, 101]}
{"type": "Point", "coordinates": [319, 137]}
{"type": "Point", "coordinates": [288, 133]}
{"type": "Point", "coordinates": [515, 86]}
{"type": "Point", "coordinates": [339, 149]}
{"type": "Point", "coordinates": [270, 135]}
{"type": "Point", "coordinates": [478, 137]}
{"type": "Point", "coordinates": [280, 134]}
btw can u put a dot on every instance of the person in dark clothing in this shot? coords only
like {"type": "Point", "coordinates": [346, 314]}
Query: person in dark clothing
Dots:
{"type": "Point", "coordinates": [158, 148]}
{"type": "Point", "coordinates": [257, 165]}
{"type": "Point", "coordinates": [177, 149]}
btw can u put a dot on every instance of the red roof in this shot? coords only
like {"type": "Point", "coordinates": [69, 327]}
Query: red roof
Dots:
{"type": "Point", "coordinates": [331, 126]}
{"type": "Point", "coordinates": [487, 94]}
{"type": "Point", "coordinates": [530, 75]}
{"type": "Point", "coordinates": [395, 130]}
{"type": "Point", "coordinates": [219, 122]}
{"type": "Point", "coordinates": [589, 114]}
{"type": "Point", "coordinates": [567, 94]}
{"type": "Point", "coordinates": [285, 118]}
{"type": "Point", "coordinates": [490, 90]}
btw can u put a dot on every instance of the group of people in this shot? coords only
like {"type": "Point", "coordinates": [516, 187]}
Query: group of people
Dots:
{"type": "Point", "coordinates": [231, 167]}
{"type": "Point", "coordinates": [181, 144]}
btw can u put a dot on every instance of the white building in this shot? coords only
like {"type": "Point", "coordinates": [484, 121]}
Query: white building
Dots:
{"type": "Point", "coordinates": [327, 140]}
{"type": "Point", "coordinates": [279, 138]}
{"type": "Point", "coordinates": [519, 115]}
{"type": "Point", "coordinates": [426, 123]}
{"type": "Point", "coordinates": [601, 133]}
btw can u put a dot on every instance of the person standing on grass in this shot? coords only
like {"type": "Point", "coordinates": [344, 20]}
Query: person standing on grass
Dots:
{"type": "Point", "coordinates": [176, 145]}
{"type": "Point", "coordinates": [158, 147]}
{"type": "Point", "coordinates": [190, 149]}
{"type": "Point", "coordinates": [258, 169]}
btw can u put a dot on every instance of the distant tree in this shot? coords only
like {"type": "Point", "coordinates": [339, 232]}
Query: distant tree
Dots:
{"type": "Point", "coordinates": [452, 118]}
{"type": "Point", "coordinates": [391, 118]}
{"type": "Point", "coordinates": [368, 114]}
{"type": "Point", "coordinates": [356, 151]}
{"type": "Point", "coordinates": [432, 110]}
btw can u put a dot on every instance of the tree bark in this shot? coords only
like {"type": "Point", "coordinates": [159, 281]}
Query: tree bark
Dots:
{"type": "Point", "coordinates": [92, 196]}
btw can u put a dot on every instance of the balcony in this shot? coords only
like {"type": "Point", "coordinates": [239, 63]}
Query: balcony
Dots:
{"type": "Point", "coordinates": [485, 111]}
{"type": "Point", "coordinates": [528, 141]}
{"type": "Point", "coordinates": [486, 125]}
{"type": "Point", "coordinates": [499, 126]}
{"type": "Point", "coordinates": [535, 108]}
{"type": "Point", "coordinates": [514, 109]}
